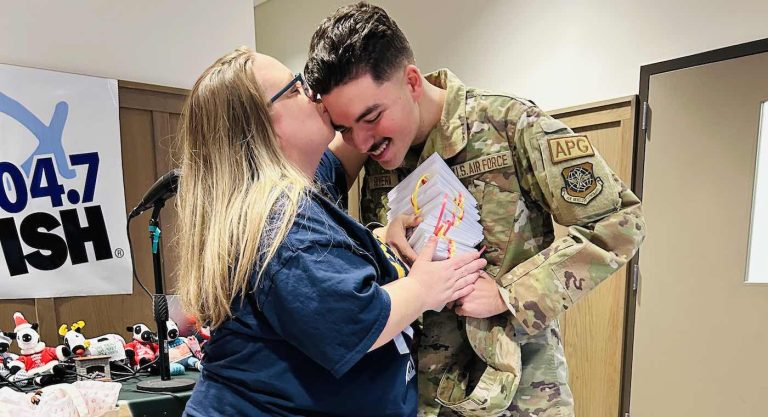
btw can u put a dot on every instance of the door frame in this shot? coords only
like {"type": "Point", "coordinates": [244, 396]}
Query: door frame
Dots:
{"type": "Point", "coordinates": [642, 134]}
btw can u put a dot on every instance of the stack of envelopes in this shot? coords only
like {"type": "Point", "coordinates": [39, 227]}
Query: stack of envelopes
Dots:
{"type": "Point", "coordinates": [447, 209]}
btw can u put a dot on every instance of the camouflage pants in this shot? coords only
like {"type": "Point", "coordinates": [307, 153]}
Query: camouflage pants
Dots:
{"type": "Point", "coordinates": [543, 390]}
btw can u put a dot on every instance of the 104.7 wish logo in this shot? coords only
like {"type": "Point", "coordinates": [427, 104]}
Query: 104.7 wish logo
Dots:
{"type": "Point", "coordinates": [47, 201]}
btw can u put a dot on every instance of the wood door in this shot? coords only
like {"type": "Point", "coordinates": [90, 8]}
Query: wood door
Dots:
{"type": "Point", "coordinates": [148, 118]}
{"type": "Point", "coordinates": [593, 330]}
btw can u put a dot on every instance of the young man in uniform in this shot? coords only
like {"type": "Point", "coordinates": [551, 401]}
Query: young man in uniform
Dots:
{"type": "Point", "coordinates": [523, 167]}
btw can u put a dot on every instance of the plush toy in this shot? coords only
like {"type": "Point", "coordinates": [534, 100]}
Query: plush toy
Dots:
{"type": "Point", "coordinates": [143, 349]}
{"type": "Point", "coordinates": [36, 358]}
{"type": "Point", "coordinates": [111, 345]}
{"type": "Point", "coordinates": [5, 355]}
{"type": "Point", "coordinates": [183, 352]}
{"type": "Point", "coordinates": [7, 360]}
{"type": "Point", "coordinates": [203, 334]}
{"type": "Point", "coordinates": [74, 339]}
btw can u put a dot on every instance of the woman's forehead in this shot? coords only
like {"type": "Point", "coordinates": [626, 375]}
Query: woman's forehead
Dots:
{"type": "Point", "coordinates": [271, 74]}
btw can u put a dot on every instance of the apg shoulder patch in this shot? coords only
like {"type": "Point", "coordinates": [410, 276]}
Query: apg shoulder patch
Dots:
{"type": "Point", "coordinates": [566, 148]}
{"type": "Point", "coordinates": [581, 186]}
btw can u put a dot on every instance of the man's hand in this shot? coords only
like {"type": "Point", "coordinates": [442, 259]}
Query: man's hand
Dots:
{"type": "Point", "coordinates": [394, 233]}
{"type": "Point", "coordinates": [485, 301]}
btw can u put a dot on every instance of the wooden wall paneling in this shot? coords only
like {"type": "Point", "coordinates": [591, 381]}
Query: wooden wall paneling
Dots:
{"type": "Point", "coordinates": [111, 314]}
{"type": "Point", "coordinates": [165, 134]}
{"type": "Point", "coordinates": [593, 331]}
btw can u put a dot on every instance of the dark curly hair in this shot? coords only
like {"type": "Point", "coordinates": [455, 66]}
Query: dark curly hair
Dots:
{"type": "Point", "coordinates": [357, 39]}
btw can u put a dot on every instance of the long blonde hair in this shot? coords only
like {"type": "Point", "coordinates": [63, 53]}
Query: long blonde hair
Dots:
{"type": "Point", "coordinates": [238, 195]}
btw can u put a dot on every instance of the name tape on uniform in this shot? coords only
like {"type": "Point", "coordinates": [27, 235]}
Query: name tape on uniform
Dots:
{"type": "Point", "coordinates": [483, 164]}
{"type": "Point", "coordinates": [566, 148]}
{"type": "Point", "coordinates": [389, 180]}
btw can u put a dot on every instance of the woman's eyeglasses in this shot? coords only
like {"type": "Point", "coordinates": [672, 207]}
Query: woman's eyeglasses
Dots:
{"type": "Point", "coordinates": [304, 86]}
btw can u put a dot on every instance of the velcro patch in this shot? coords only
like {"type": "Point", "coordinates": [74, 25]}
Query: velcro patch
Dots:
{"type": "Point", "coordinates": [581, 185]}
{"type": "Point", "coordinates": [566, 148]}
{"type": "Point", "coordinates": [389, 180]}
{"type": "Point", "coordinates": [483, 164]}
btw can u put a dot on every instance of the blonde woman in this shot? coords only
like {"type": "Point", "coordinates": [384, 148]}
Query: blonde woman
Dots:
{"type": "Point", "coordinates": [308, 314]}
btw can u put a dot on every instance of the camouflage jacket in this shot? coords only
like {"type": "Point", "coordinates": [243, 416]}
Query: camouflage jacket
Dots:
{"type": "Point", "coordinates": [524, 168]}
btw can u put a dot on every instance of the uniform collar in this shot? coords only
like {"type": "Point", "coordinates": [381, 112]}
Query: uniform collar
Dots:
{"type": "Point", "coordinates": [449, 136]}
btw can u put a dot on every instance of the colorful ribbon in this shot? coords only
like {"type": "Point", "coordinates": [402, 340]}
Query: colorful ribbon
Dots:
{"type": "Point", "coordinates": [414, 196]}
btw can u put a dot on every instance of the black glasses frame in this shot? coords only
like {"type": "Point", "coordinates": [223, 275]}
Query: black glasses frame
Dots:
{"type": "Point", "coordinates": [304, 86]}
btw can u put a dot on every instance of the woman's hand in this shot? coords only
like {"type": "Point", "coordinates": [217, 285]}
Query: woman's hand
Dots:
{"type": "Point", "coordinates": [441, 282]}
{"type": "Point", "coordinates": [394, 234]}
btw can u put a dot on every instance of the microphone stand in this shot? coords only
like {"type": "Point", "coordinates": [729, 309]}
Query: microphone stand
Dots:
{"type": "Point", "coordinates": [160, 307]}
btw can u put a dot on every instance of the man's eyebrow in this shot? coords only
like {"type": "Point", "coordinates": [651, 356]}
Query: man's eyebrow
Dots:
{"type": "Point", "coordinates": [367, 111]}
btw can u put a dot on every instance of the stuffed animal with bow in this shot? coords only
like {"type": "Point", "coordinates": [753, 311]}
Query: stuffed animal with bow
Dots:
{"type": "Point", "coordinates": [183, 352]}
{"type": "Point", "coordinates": [36, 358]}
{"type": "Point", "coordinates": [111, 345]}
{"type": "Point", "coordinates": [143, 349]}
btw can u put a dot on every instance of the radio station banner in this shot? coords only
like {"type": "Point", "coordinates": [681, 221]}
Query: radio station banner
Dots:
{"type": "Point", "coordinates": [62, 206]}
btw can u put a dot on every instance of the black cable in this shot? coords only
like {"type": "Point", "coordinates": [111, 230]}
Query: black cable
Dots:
{"type": "Point", "coordinates": [76, 375]}
{"type": "Point", "coordinates": [141, 368]}
{"type": "Point", "coordinates": [133, 374]}
{"type": "Point", "coordinates": [124, 378]}
{"type": "Point", "coordinates": [133, 259]}
{"type": "Point", "coordinates": [11, 383]}
{"type": "Point", "coordinates": [24, 389]}
{"type": "Point", "coordinates": [125, 367]}
{"type": "Point", "coordinates": [136, 372]}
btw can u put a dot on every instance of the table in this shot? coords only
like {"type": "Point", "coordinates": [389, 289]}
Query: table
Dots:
{"type": "Point", "coordinates": [133, 403]}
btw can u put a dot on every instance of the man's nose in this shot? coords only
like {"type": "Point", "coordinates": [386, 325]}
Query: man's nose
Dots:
{"type": "Point", "coordinates": [362, 140]}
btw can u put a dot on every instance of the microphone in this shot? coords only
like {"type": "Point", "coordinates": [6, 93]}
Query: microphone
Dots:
{"type": "Point", "coordinates": [164, 188]}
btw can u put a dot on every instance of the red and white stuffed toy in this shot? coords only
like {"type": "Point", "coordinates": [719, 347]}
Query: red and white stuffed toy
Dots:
{"type": "Point", "coordinates": [143, 349]}
{"type": "Point", "coordinates": [35, 357]}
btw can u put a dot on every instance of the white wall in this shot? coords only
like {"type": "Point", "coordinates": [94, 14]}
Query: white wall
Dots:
{"type": "Point", "coordinates": [557, 52]}
{"type": "Point", "coordinates": [168, 42]}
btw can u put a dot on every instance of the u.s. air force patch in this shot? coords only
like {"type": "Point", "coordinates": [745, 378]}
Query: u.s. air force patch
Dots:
{"type": "Point", "coordinates": [483, 164]}
{"type": "Point", "coordinates": [581, 186]}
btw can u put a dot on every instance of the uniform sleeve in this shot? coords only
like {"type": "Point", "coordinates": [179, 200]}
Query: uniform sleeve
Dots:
{"type": "Point", "coordinates": [325, 301]}
{"type": "Point", "coordinates": [332, 179]}
{"type": "Point", "coordinates": [566, 175]}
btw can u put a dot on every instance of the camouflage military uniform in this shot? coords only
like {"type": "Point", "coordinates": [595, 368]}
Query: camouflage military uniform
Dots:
{"type": "Point", "coordinates": [522, 166]}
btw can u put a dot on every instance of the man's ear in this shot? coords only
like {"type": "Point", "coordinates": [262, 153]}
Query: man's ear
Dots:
{"type": "Point", "coordinates": [415, 81]}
